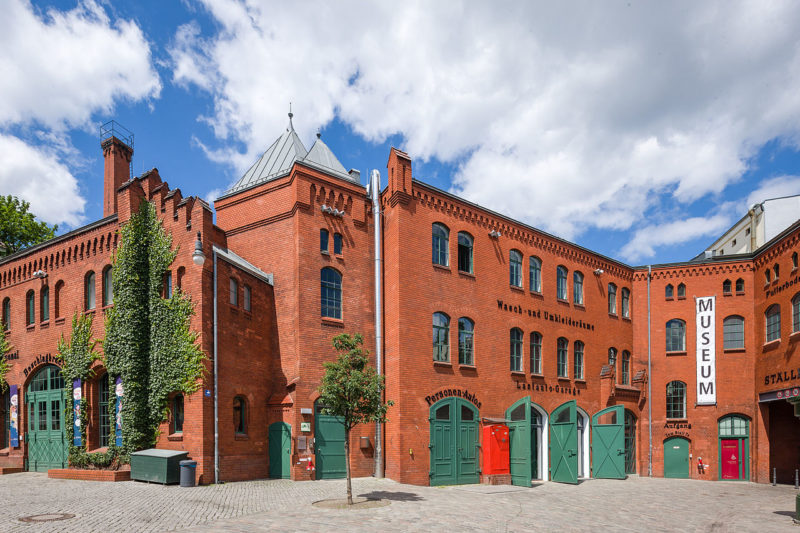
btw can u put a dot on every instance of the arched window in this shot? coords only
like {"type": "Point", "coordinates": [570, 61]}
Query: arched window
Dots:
{"type": "Point", "coordinates": [30, 308]}
{"type": "Point", "coordinates": [324, 239]}
{"type": "Point", "coordinates": [464, 252]}
{"type": "Point", "coordinates": [337, 243]}
{"type": "Point", "coordinates": [561, 282]}
{"type": "Point", "coordinates": [59, 290]}
{"type": "Point", "coordinates": [515, 268]}
{"type": "Point", "coordinates": [733, 426]}
{"type": "Point", "coordinates": [612, 357]}
{"type": "Point", "coordinates": [168, 284]}
{"type": "Point", "coordinates": [239, 415]}
{"type": "Point", "coordinates": [625, 371]}
{"type": "Point", "coordinates": [7, 314]}
{"type": "Point", "coordinates": [44, 303]}
{"type": "Point", "coordinates": [794, 260]}
{"type": "Point", "coordinates": [561, 357]}
{"type": "Point", "coordinates": [233, 298]}
{"type": "Point", "coordinates": [89, 292]}
{"type": "Point", "coordinates": [441, 244]}
{"type": "Point", "coordinates": [535, 274]}
{"type": "Point", "coordinates": [739, 286]}
{"type": "Point", "coordinates": [726, 286]}
{"type": "Point", "coordinates": [247, 298]}
{"type": "Point", "coordinates": [681, 290]}
{"type": "Point", "coordinates": [577, 288]}
{"type": "Point", "coordinates": [108, 288]}
{"type": "Point", "coordinates": [103, 411]}
{"type": "Point", "coordinates": [733, 332]}
{"type": "Point", "coordinates": [331, 299]}
{"type": "Point", "coordinates": [178, 280]}
{"type": "Point", "coordinates": [578, 360]}
{"type": "Point", "coordinates": [626, 303]}
{"type": "Point", "coordinates": [776, 270]}
{"type": "Point", "coordinates": [676, 335]}
{"type": "Point", "coordinates": [536, 353]}
{"type": "Point", "coordinates": [766, 276]}
{"type": "Point", "coordinates": [612, 299]}
{"type": "Point", "coordinates": [669, 291]}
{"type": "Point", "coordinates": [676, 399]}
{"type": "Point", "coordinates": [177, 414]}
{"type": "Point", "coordinates": [796, 313]}
{"type": "Point", "coordinates": [441, 337]}
{"type": "Point", "coordinates": [466, 337]}
{"type": "Point", "coordinates": [773, 316]}
{"type": "Point", "coordinates": [516, 349]}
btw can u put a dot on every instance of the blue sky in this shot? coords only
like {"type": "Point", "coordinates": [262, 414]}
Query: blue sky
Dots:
{"type": "Point", "coordinates": [640, 130]}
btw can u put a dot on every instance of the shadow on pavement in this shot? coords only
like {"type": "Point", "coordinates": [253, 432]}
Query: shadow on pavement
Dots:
{"type": "Point", "coordinates": [396, 496]}
{"type": "Point", "coordinates": [784, 513]}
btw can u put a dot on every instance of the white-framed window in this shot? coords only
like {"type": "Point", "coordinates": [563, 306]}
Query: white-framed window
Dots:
{"type": "Point", "coordinates": [676, 335]}
{"type": "Point", "coordinates": [773, 318]}
{"type": "Point", "coordinates": [578, 359]}
{"type": "Point", "coordinates": [733, 332]}
{"type": "Point", "coordinates": [612, 299]}
{"type": "Point", "coordinates": [535, 274]}
{"type": "Point", "coordinates": [536, 352]}
{"type": "Point", "coordinates": [561, 282]}
{"type": "Point", "coordinates": [440, 237]}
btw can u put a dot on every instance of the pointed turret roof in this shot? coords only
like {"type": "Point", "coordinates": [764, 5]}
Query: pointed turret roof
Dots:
{"type": "Point", "coordinates": [277, 161]}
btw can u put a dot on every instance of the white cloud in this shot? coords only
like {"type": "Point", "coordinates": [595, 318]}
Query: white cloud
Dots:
{"type": "Point", "coordinates": [774, 188]}
{"type": "Point", "coordinates": [36, 175]}
{"type": "Point", "coordinates": [57, 70]}
{"type": "Point", "coordinates": [566, 117]}
{"type": "Point", "coordinates": [645, 240]}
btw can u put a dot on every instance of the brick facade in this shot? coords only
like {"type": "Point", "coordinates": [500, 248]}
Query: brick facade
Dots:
{"type": "Point", "coordinates": [271, 356]}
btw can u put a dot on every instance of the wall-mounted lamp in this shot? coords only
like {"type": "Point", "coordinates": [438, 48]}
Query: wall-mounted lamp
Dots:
{"type": "Point", "coordinates": [494, 234]}
{"type": "Point", "coordinates": [198, 257]}
{"type": "Point", "coordinates": [332, 211]}
{"type": "Point", "coordinates": [598, 271]}
{"type": "Point", "coordinates": [40, 274]}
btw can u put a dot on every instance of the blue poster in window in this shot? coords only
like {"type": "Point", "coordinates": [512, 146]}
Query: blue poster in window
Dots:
{"type": "Point", "coordinates": [118, 417]}
{"type": "Point", "coordinates": [13, 419]}
{"type": "Point", "coordinates": [77, 394]}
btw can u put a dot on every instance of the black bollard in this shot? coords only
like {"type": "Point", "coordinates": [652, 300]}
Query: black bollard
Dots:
{"type": "Point", "coordinates": [774, 476]}
{"type": "Point", "coordinates": [796, 480]}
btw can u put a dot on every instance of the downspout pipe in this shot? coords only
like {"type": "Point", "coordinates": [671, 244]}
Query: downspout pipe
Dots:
{"type": "Point", "coordinates": [649, 381]}
{"type": "Point", "coordinates": [375, 190]}
{"type": "Point", "coordinates": [216, 377]}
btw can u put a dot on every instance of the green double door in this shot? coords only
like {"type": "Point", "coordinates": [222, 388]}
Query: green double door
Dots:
{"type": "Point", "coordinates": [523, 443]}
{"type": "Point", "coordinates": [453, 442]}
{"type": "Point", "coordinates": [46, 437]}
{"type": "Point", "coordinates": [564, 443]}
{"type": "Point", "coordinates": [280, 450]}
{"type": "Point", "coordinates": [608, 443]}
{"type": "Point", "coordinates": [329, 446]}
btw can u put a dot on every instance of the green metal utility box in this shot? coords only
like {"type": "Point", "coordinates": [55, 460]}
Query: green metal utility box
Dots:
{"type": "Point", "coordinates": [157, 466]}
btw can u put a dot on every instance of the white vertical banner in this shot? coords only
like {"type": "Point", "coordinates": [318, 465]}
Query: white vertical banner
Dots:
{"type": "Point", "coordinates": [706, 351]}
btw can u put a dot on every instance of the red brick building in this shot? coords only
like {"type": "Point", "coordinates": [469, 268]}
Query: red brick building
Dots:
{"type": "Point", "coordinates": [596, 368]}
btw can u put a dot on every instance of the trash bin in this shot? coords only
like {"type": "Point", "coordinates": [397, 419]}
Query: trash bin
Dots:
{"type": "Point", "coordinates": [797, 508]}
{"type": "Point", "coordinates": [187, 473]}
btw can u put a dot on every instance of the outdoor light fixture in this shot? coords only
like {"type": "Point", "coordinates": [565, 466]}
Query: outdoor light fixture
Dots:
{"type": "Point", "coordinates": [598, 271]}
{"type": "Point", "coordinates": [494, 234]}
{"type": "Point", "coordinates": [40, 274]}
{"type": "Point", "coordinates": [332, 211]}
{"type": "Point", "coordinates": [198, 256]}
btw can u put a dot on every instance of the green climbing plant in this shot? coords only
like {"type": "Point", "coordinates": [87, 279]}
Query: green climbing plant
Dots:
{"type": "Point", "coordinates": [149, 342]}
{"type": "Point", "coordinates": [5, 348]}
{"type": "Point", "coordinates": [77, 354]}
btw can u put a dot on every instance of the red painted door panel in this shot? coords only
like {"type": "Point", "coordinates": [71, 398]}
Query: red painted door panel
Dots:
{"type": "Point", "coordinates": [730, 459]}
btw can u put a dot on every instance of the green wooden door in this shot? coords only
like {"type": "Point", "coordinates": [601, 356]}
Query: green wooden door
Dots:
{"type": "Point", "coordinates": [453, 442]}
{"type": "Point", "coordinates": [630, 442]}
{"type": "Point", "coordinates": [329, 446]}
{"type": "Point", "coordinates": [608, 443]}
{"type": "Point", "coordinates": [280, 450]}
{"type": "Point", "coordinates": [520, 452]}
{"type": "Point", "coordinates": [564, 443]}
{"type": "Point", "coordinates": [45, 399]}
{"type": "Point", "coordinates": [676, 457]}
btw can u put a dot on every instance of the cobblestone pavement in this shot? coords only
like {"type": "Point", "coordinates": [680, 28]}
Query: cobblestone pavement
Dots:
{"type": "Point", "coordinates": [636, 504]}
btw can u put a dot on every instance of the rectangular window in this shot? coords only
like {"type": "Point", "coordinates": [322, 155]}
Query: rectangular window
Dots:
{"type": "Point", "coordinates": [733, 333]}
{"type": "Point", "coordinates": [536, 353]}
{"type": "Point", "coordinates": [337, 243]}
{"type": "Point", "coordinates": [323, 241]}
{"type": "Point", "coordinates": [247, 298]}
{"type": "Point", "coordinates": [516, 350]}
{"type": "Point", "coordinates": [561, 358]}
{"type": "Point", "coordinates": [773, 323]}
{"type": "Point", "coordinates": [578, 360]}
{"type": "Point", "coordinates": [177, 414]}
{"type": "Point", "coordinates": [168, 284]}
{"type": "Point", "coordinates": [105, 417]}
{"type": "Point", "coordinates": [234, 292]}
{"type": "Point", "coordinates": [45, 304]}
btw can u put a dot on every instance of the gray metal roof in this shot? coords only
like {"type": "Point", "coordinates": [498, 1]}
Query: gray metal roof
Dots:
{"type": "Point", "coordinates": [277, 161]}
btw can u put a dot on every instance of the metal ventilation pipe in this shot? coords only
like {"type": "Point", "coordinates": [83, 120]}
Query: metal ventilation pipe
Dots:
{"type": "Point", "coordinates": [375, 190]}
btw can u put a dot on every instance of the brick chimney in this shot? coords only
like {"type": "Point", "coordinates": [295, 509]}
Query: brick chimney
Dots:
{"type": "Point", "coordinates": [399, 167]}
{"type": "Point", "coordinates": [117, 171]}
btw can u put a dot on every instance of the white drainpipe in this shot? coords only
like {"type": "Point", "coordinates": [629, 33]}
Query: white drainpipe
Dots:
{"type": "Point", "coordinates": [375, 189]}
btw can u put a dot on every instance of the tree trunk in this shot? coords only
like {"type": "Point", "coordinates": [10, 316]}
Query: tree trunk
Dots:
{"type": "Point", "coordinates": [347, 464]}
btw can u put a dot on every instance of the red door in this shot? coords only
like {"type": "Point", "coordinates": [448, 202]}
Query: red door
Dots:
{"type": "Point", "coordinates": [730, 459]}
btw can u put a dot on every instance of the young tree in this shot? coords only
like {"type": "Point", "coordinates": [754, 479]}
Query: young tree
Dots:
{"type": "Point", "coordinates": [352, 390]}
{"type": "Point", "coordinates": [19, 228]}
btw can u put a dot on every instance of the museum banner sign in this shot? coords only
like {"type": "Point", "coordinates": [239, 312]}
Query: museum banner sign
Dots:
{"type": "Point", "coordinates": [706, 351]}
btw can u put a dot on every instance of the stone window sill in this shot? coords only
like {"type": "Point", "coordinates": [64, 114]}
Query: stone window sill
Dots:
{"type": "Point", "coordinates": [325, 252]}
{"type": "Point", "coordinates": [580, 306]}
{"type": "Point", "coordinates": [30, 327]}
{"type": "Point", "coordinates": [175, 437]}
{"type": "Point", "coordinates": [580, 380]}
{"type": "Point", "coordinates": [537, 375]}
{"type": "Point", "coordinates": [60, 321]}
{"type": "Point", "coordinates": [466, 274]}
{"type": "Point", "coordinates": [336, 322]}
{"type": "Point", "coordinates": [739, 293]}
{"type": "Point", "coordinates": [734, 350]}
{"type": "Point", "coordinates": [727, 294]}
{"type": "Point", "coordinates": [795, 336]}
{"type": "Point", "coordinates": [563, 378]}
{"type": "Point", "coordinates": [679, 352]}
{"type": "Point", "coordinates": [240, 436]}
{"type": "Point", "coordinates": [441, 267]}
{"type": "Point", "coordinates": [467, 367]}
{"type": "Point", "coordinates": [626, 318]}
{"type": "Point", "coordinates": [517, 373]}
{"type": "Point", "coordinates": [516, 288]}
{"type": "Point", "coordinates": [445, 364]}
{"type": "Point", "coordinates": [669, 298]}
{"type": "Point", "coordinates": [771, 344]}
